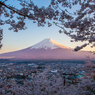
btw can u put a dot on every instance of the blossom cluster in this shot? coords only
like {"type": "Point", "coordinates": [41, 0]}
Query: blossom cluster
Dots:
{"type": "Point", "coordinates": [80, 23]}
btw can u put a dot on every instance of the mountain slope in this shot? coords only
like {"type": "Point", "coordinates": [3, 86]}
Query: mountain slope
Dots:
{"type": "Point", "coordinates": [46, 49]}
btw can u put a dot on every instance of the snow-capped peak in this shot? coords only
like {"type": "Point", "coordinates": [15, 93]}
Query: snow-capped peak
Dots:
{"type": "Point", "coordinates": [48, 44]}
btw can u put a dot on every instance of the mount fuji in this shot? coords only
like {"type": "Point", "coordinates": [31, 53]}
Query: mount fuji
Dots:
{"type": "Point", "coordinates": [47, 49]}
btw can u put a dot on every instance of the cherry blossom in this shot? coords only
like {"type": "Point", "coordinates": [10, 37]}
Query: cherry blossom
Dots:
{"type": "Point", "coordinates": [79, 24]}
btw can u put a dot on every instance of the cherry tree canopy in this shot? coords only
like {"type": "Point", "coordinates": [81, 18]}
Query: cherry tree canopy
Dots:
{"type": "Point", "coordinates": [78, 24]}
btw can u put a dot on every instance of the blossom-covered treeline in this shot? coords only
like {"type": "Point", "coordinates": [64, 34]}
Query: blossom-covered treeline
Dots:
{"type": "Point", "coordinates": [44, 85]}
{"type": "Point", "coordinates": [76, 18]}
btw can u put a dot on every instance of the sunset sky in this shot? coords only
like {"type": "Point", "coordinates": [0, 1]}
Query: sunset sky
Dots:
{"type": "Point", "coordinates": [25, 38]}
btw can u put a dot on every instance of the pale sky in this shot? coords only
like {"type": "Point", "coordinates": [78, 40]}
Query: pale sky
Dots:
{"type": "Point", "coordinates": [25, 38]}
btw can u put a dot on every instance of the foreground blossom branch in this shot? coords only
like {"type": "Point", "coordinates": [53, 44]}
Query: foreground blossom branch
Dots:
{"type": "Point", "coordinates": [78, 24]}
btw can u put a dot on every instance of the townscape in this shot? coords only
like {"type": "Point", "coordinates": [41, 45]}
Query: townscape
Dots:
{"type": "Point", "coordinates": [31, 75]}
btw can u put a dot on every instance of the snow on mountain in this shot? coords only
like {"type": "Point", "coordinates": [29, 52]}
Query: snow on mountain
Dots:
{"type": "Point", "coordinates": [48, 44]}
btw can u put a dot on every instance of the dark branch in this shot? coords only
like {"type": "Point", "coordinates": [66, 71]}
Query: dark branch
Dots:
{"type": "Point", "coordinates": [14, 10]}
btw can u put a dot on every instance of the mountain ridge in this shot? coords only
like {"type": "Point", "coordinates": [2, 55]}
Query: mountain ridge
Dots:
{"type": "Point", "coordinates": [45, 50]}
